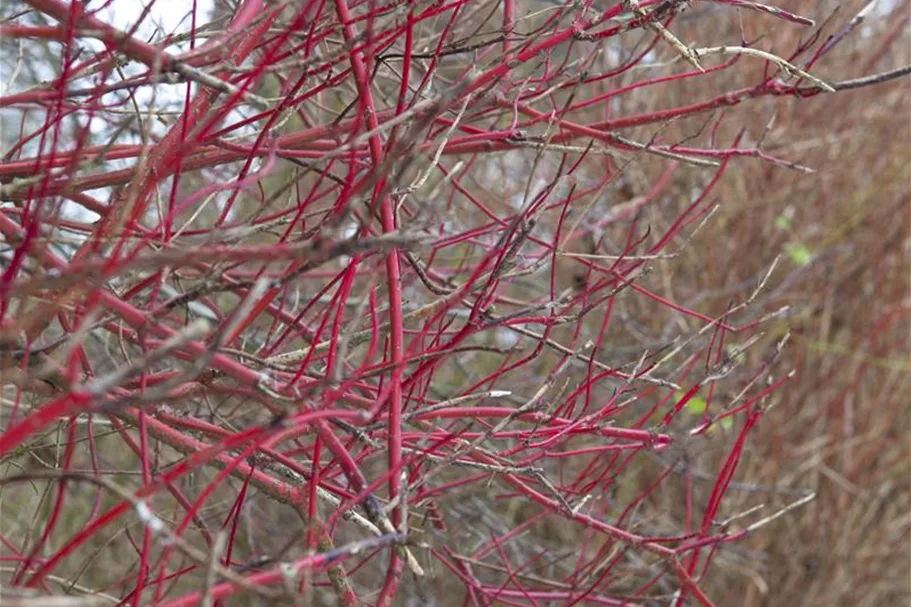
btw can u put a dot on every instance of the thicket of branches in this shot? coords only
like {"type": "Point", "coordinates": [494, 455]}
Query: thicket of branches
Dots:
{"type": "Point", "coordinates": [426, 303]}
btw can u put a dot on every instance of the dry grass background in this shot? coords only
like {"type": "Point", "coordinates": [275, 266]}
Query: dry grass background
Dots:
{"type": "Point", "coordinates": [842, 429]}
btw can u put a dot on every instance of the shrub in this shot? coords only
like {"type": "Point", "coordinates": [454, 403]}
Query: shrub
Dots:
{"type": "Point", "coordinates": [419, 303]}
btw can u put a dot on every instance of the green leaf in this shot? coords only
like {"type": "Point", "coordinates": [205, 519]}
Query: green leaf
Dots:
{"type": "Point", "coordinates": [734, 352]}
{"type": "Point", "coordinates": [696, 406]}
{"type": "Point", "coordinates": [783, 222]}
{"type": "Point", "coordinates": [799, 254]}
